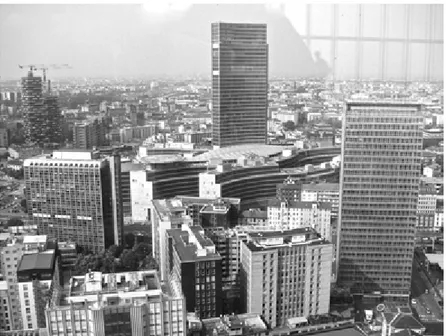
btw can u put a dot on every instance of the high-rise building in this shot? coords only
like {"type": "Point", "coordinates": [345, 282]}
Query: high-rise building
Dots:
{"type": "Point", "coordinates": [54, 120]}
{"type": "Point", "coordinates": [34, 115]}
{"type": "Point", "coordinates": [380, 178]}
{"type": "Point", "coordinates": [239, 83]}
{"type": "Point", "coordinates": [286, 274]}
{"type": "Point", "coordinates": [42, 116]}
{"type": "Point", "coordinates": [90, 133]}
{"type": "Point", "coordinates": [134, 303]}
{"type": "Point", "coordinates": [75, 196]}
{"type": "Point", "coordinates": [193, 262]}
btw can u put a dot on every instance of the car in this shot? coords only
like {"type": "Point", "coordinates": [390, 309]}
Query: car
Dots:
{"type": "Point", "coordinates": [428, 310]}
{"type": "Point", "coordinates": [427, 291]}
{"type": "Point", "coordinates": [414, 302]}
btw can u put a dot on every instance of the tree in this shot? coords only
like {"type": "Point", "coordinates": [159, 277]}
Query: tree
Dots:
{"type": "Point", "coordinates": [14, 221]}
{"type": "Point", "coordinates": [142, 250]}
{"type": "Point", "coordinates": [23, 204]}
{"type": "Point", "coordinates": [129, 260]}
{"type": "Point", "coordinates": [129, 239]}
{"type": "Point", "coordinates": [289, 125]}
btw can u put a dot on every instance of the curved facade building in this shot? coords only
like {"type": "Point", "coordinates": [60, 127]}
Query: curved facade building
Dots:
{"type": "Point", "coordinates": [167, 177]}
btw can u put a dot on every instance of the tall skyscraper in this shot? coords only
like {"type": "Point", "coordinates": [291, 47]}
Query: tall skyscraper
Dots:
{"type": "Point", "coordinates": [41, 111]}
{"type": "Point", "coordinates": [239, 83]}
{"type": "Point", "coordinates": [75, 196]}
{"type": "Point", "coordinates": [380, 177]}
{"type": "Point", "coordinates": [33, 108]}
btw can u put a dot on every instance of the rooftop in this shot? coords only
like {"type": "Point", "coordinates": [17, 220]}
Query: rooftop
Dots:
{"type": "Point", "coordinates": [264, 240]}
{"type": "Point", "coordinates": [37, 261]}
{"type": "Point", "coordinates": [35, 239]}
{"type": "Point", "coordinates": [321, 187]}
{"type": "Point", "coordinates": [226, 325]}
{"type": "Point", "coordinates": [191, 244]}
{"type": "Point", "coordinates": [300, 204]}
{"type": "Point", "coordinates": [234, 152]}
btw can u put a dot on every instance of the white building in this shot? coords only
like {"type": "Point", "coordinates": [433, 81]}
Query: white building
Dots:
{"type": "Point", "coordinates": [322, 192]}
{"type": "Point", "coordinates": [141, 192]}
{"type": "Point", "coordinates": [291, 215]}
{"type": "Point", "coordinates": [207, 184]}
{"type": "Point", "coordinates": [136, 302]}
{"type": "Point", "coordinates": [286, 274]}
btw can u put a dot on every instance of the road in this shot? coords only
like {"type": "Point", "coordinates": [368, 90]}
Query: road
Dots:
{"type": "Point", "coordinates": [425, 300]}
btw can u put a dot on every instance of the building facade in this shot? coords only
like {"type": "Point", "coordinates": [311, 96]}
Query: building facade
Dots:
{"type": "Point", "coordinates": [292, 215]}
{"type": "Point", "coordinates": [427, 205]}
{"type": "Point", "coordinates": [33, 109]}
{"type": "Point", "coordinates": [322, 192]}
{"type": "Point", "coordinates": [239, 83]}
{"type": "Point", "coordinates": [380, 177]}
{"type": "Point", "coordinates": [286, 274]}
{"type": "Point", "coordinates": [116, 304]}
{"type": "Point", "coordinates": [90, 133]}
{"type": "Point", "coordinates": [194, 263]}
{"type": "Point", "coordinates": [75, 196]}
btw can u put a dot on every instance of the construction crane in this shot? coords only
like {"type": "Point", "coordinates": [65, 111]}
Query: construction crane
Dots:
{"type": "Point", "coordinates": [45, 68]}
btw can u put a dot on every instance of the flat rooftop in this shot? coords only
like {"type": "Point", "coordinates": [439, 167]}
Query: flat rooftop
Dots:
{"type": "Point", "coordinates": [321, 186]}
{"type": "Point", "coordinates": [35, 239]}
{"type": "Point", "coordinates": [234, 152]}
{"type": "Point", "coordinates": [193, 245]}
{"type": "Point", "coordinates": [97, 282]}
{"type": "Point", "coordinates": [265, 240]}
{"type": "Point", "coordinates": [37, 261]}
{"type": "Point", "coordinates": [300, 204]}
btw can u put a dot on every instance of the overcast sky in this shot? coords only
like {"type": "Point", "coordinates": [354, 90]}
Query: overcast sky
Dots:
{"type": "Point", "coordinates": [119, 40]}
{"type": "Point", "coordinates": [136, 40]}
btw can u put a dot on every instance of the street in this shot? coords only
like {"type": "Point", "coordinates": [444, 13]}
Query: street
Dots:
{"type": "Point", "coordinates": [424, 301]}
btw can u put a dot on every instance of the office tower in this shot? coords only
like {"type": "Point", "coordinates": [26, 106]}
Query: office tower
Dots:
{"type": "Point", "coordinates": [37, 276]}
{"type": "Point", "coordinates": [128, 303]}
{"type": "Point", "coordinates": [286, 274]}
{"type": "Point", "coordinates": [193, 262]}
{"type": "Point", "coordinates": [380, 177]}
{"type": "Point", "coordinates": [90, 133]}
{"type": "Point", "coordinates": [10, 257]}
{"type": "Point", "coordinates": [291, 215]}
{"type": "Point", "coordinates": [54, 120]}
{"type": "Point", "coordinates": [239, 83]}
{"type": "Point", "coordinates": [75, 196]}
{"type": "Point", "coordinates": [289, 190]}
{"type": "Point", "coordinates": [34, 115]}
{"type": "Point", "coordinates": [4, 136]}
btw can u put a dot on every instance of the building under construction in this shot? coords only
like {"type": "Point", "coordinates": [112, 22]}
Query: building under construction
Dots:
{"type": "Point", "coordinates": [41, 112]}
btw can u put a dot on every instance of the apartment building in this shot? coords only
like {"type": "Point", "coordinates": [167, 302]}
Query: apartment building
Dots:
{"type": "Point", "coordinates": [427, 204]}
{"type": "Point", "coordinates": [322, 192]}
{"type": "Point", "coordinates": [286, 274]}
{"type": "Point", "coordinates": [291, 215]}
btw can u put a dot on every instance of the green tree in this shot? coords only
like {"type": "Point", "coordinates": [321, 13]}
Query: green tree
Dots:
{"type": "Point", "coordinates": [142, 250]}
{"type": "Point", "coordinates": [129, 239]}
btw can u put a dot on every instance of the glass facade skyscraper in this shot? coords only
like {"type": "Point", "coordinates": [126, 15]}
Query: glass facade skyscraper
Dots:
{"type": "Point", "coordinates": [380, 177]}
{"type": "Point", "coordinates": [239, 83]}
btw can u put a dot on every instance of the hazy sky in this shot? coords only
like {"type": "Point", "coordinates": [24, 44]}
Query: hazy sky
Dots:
{"type": "Point", "coordinates": [119, 40]}
{"type": "Point", "coordinates": [131, 40]}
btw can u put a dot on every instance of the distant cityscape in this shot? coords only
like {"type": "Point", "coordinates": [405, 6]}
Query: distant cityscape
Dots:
{"type": "Point", "coordinates": [232, 205]}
